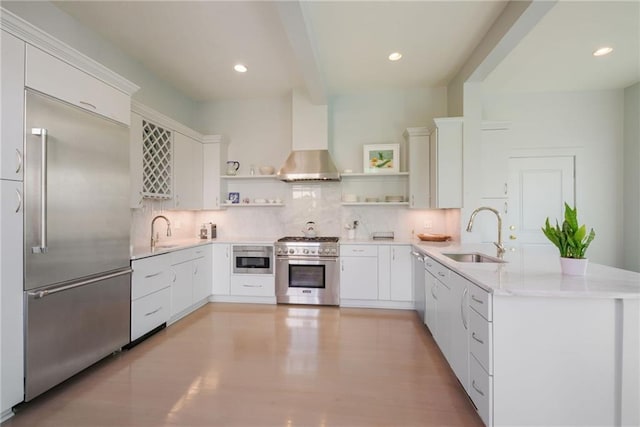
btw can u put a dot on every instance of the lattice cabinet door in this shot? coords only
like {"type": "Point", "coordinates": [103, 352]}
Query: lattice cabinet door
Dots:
{"type": "Point", "coordinates": [157, 161]}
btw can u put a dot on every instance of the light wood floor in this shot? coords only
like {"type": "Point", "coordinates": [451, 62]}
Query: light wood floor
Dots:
{"type": "Point", "coordinates": [256, 365]}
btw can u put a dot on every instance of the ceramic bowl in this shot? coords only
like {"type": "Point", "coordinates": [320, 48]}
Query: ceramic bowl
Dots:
{"type": "Point", "coordinates": [267, 170]}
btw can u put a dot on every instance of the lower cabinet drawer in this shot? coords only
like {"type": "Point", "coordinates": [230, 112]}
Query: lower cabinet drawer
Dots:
{"type": "Point", "coordinates": [149, 312]}
{"type": "Point", "coordinates": [481, 390]}
{"type": "Point", "coordinates": [256, 286]}
{"type": "Point", "coordinates": [480, 340]}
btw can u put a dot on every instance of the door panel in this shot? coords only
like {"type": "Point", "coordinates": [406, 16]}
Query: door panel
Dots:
{"type": "Point", "coordinates": [87, 209]}
{"type": "Point", "coordinates": [538, 188]}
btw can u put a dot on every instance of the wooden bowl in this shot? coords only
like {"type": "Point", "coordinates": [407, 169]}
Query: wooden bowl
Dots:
{"type": "Point", "coordinates": [434, 237]}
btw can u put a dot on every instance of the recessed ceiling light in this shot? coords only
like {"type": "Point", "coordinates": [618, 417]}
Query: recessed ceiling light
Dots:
{"type": "Point", "coordinates": [395, 56]}
{"type": "Point", "coordinates": [240, 68]}
{"type": "Point", "coordinates": [602, 51]}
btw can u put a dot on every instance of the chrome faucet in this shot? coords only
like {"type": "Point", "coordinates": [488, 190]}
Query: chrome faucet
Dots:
{"type": "Point", "coordinates": [155, 239]}
{"type": "Point", "coordinates": [499, 245]}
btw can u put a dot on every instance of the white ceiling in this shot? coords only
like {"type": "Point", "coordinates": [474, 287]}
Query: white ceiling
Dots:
{"type": "Point", "coordinates": [193, 45]}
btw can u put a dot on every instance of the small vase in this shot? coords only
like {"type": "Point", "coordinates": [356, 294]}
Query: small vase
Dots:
{"type": "Point", "coordinates": [574, 266]}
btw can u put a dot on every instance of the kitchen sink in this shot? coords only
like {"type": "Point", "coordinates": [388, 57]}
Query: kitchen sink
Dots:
{"type": "Point", "coordinates": [474, 257]}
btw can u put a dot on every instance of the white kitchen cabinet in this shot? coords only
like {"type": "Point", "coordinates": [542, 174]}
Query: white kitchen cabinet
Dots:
{"type": "Point", "coordinates": [359, 272]}
{"type": "Point", "coordinates": [48, 74]}
{"type": "Point", "coordinates": [221, 269]}
{"type": "Point", "coordinates": [187, 173]}
{"type": "Point", "coordinates": [202, 273]}
{"type": "Point", "coordinates": [214, 157]}
{"type": "Point", "coordinates": [12, 101]}
{"type": "Point", "coordinates": [150, 294]}
{"type": "Point", "coordinates": [439, 305]}
{"type": "Point", "coordinates": [394, 273]}
{"type": "Point", "coordinates": [11, 282]}
{"type": "Point", "coordinates": [459, 321]}
{"type": "Point", "coordinates": [135, 161]}
{"type": "Point", "coordinates": [253, 285]}
{"type": "Point", "coordinates": [192, 276]}
{"type": "Point", "coordinates": [495, 159]}
{"type": "Point", "coordinates": [181, 287]}
{"type": "Point", "coordinates": [418, 158]}
{"type": "Point", "coordinates": [445, 163]}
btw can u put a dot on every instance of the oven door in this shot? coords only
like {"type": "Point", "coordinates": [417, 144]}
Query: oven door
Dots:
{"type": "Point", "coordinates": [307, 280]}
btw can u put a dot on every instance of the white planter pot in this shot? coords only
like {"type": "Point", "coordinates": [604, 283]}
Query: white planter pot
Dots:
{"type": "Point", "coordinates": [574, 266]}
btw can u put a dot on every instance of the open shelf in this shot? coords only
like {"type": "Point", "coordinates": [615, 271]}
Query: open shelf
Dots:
{"type": "Point", "coordinates": [372, 175]}
{"type": "Point", "coordinates": [252, 205]}
{"type": "Point", "coordinates": [240, 177]}
{"type": "Point", "coordinates": [375, 203]}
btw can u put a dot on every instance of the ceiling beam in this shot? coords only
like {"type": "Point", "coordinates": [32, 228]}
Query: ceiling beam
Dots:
{"type": "Point", "coordinates": [300, 37]}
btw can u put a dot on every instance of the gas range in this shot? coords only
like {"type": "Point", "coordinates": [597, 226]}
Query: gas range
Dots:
{"type": "Point", "coordinates": [307, 246]}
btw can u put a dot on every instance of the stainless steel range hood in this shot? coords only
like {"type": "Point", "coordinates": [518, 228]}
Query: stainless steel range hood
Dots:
{"type": "Point", "coordinates": [309, 165]}
{"type": "Point", "coordinates": [309, 159]}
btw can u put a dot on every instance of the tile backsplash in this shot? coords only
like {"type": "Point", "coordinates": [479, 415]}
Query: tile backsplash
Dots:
{"type": "Point", "coordinates": [317, 202]}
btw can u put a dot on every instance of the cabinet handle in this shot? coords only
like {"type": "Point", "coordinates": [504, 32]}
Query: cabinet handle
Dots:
{"type": "Point", "coordinates": [462, 304]}
{"type": "Point", "coordinates": [441, 274]}
{"type": "Point", "coordinates": [217, 202]}
{"type": "Point", "coordinates": [427, 263]}
{"type": "Point", "coordinates": [479, 301]}
{"type": "Point", "coordinates": [153, 312]}
{"type": "Point", "coordinates": [42, 133]}
{"type": "Point", "coordinates": [251, 286]}
{"type": "Point", "coordinates": [393, 254]}
{"type": "Point", "coordinates": [19, 159]}
{"type": "Point", "coordinates": [342, 265]}
{"type": "Point", "coordinates": [175, 277]}
{"type": "Point", "coordinates": [434, 295]}
{"type": "Point", "coordinates": [195, 270]}
{"type": "Point", "coordinates": [148, 276]}
{"type": "Point", "coordinates": [506, 188]}
{"type": "Point", "coordinates": [88, 104]}
{"type": "Point", "coordinates": [358, 250]}
{"type": "Point", "coordinates": [19, 200]}
{"type": "Point", "coordinates": [473, 384]}
{"type": "Point", "coordinates": [473, 335]}
{"type": "Point", "coordinates": [227, 252]}
{"type": "Point", "coordinates": [506, 207]}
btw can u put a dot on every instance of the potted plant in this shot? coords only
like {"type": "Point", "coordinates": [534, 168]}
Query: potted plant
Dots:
{"type": "Point", "coordinates": [572, 240]}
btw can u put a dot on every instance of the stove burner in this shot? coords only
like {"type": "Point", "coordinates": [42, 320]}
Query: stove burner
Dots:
{"type": "Point", "coordinates": [308, 239]}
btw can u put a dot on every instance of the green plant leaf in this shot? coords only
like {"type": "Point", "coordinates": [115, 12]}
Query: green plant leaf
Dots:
{"type": "Point", "coordinates": [571, 217]}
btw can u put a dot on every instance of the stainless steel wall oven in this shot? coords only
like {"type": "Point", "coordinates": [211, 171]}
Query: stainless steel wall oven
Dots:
{"type": "Point", "coordinates": [255, 259]}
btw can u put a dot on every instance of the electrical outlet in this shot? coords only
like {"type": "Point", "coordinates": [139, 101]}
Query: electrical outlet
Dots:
{"type": "Point", "coordinates": [428, 225]}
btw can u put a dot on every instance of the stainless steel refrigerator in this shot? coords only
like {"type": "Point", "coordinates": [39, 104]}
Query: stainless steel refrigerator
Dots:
{"type": "Point", "coordinates": [77, 278]}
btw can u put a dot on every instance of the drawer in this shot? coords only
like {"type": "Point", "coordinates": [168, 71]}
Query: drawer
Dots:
{"type": "Point", "coordinates": [189, 254]}
{"type": "Point", "coordinates": [256, 286]}
{"type": "Point", "coordinates": [436, 269]}
{"type": "Point", "coordinates": [481, 340]}
{"type": "Point", "coordinates": [480, 301]}
{"type": "Point", "coordinates": [359, 250]}
{"type": "Point", "coordinates": [54, 77]}
{"type": "Point", "coordinates": [149, 312]}
{"type": "Point", "coordinates": [149, 275]}
{"type": "Point", "coordinates": [481, 391]}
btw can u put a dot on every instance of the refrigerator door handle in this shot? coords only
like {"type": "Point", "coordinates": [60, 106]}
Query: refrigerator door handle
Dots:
{"type": "Point", "coordinates": [43, 191]}
{"type": "Point", "coordinates": [46, 292]}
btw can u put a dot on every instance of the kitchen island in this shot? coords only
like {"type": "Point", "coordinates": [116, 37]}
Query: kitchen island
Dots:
{"type": "Point", "coordinates": [531, 345]}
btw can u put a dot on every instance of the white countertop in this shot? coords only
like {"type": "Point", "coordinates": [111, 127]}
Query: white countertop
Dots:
{"type": "Point", "coordinates": [535, 271]}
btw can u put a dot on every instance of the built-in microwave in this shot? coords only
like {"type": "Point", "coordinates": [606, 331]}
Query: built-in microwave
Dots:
{"type": "Point", "coordinates": [254, 259]}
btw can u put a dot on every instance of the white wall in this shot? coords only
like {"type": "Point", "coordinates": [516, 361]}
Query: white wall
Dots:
{"type": "Point", "coordinates": [631, 186]}
{"type": "Point", "coordinates": [259, 132]}
{"type": "Point", "coordinates": [589, 124]}
{"type": "Point", "coordinates": [153, 92]}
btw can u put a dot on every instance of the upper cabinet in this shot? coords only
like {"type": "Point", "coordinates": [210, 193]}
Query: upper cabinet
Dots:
{"type": "Point", "coordinates": [494, 160]}
{"type": "Point", "coordinates": [187, 173]}
{"type": "Point", "coordinates": [214, 157]}
{"type": "Point", "coordinates": [54, 77]}
{"type": "Point", "coordinates": [12, 98]}
{"type": "Point", "coordinates": [445, 163]}
{"type": "Point", "coordinates": [418, 147]}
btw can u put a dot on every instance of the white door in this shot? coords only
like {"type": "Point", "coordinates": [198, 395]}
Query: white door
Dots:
{"type": "Point", "coordinates": [538, 188]}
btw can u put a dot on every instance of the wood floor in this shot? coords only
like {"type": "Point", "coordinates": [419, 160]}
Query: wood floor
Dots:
{"type": "Point", "coordinates": [260, 365]}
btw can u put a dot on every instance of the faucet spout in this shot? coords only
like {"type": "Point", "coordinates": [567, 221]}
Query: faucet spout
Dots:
{"type": "Point", "coordinates": [154, 240]}
{"type": "Point", "coordinates": [499, 244]}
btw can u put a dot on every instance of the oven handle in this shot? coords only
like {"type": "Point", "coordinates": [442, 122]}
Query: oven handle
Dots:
{"type": "Point", "coordinates": [290, 258]}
